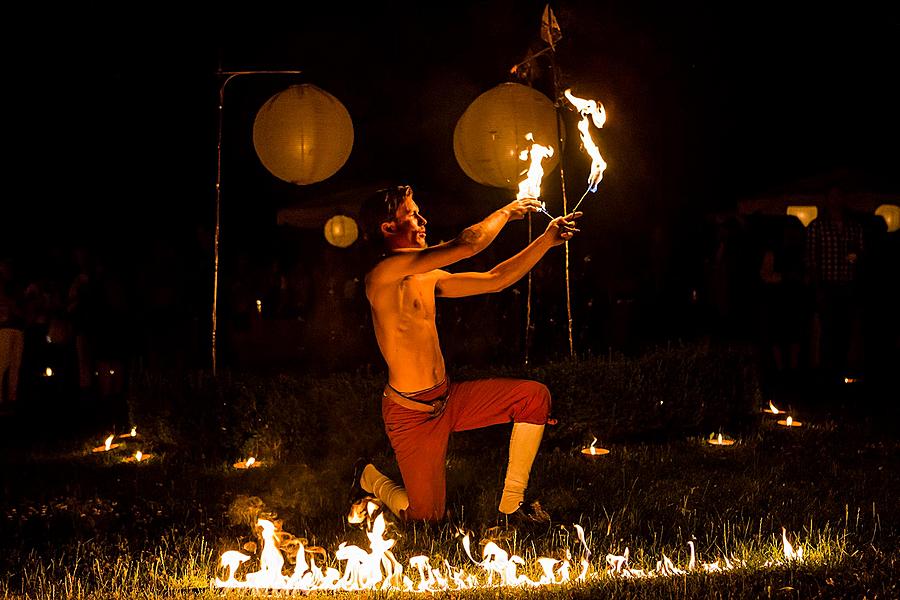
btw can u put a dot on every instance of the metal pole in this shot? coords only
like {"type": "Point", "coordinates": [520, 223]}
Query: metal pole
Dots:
{"type": "Point", "coordinates": [562, 182]}
{"type": "Point", "coordinates": [528, 303]}
{"type": "Point", "coordinates": [215, 299]}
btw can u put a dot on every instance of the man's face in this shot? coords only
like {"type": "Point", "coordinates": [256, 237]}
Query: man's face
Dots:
{"type": "Point", "coordinates": [407, 230]}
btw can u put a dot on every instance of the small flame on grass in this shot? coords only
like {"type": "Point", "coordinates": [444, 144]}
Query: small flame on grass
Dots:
{"type": "Point", "coordinates": [719, 440]}
{"type": "Point", "coordinates": [132, 433]}
{"type": "Point", "coordinates": [789, 552]}
{"type": "Point", "coordinates": [107, 445]}
{"type": "Point", "coordinates": [592, 450]}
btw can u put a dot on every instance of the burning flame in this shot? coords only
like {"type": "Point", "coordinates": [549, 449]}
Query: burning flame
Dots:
{"type": "Point", "coordinates": [138, 456]}
{"type": "Point", "coordinates": [133, 431]}
{"type": "Point", "coordinates": [772, 408]}
{"type": "Point", "coordinates": [379, 569]}
{"type": "Point", "coordinates": [720, 438]}
{"type": "Point", "coordinates": [108, 442]}
{"type": "Point", "coordinates": [48, 372]}
{"type": "Point", "coordinates": [593, 446]}
{"type": "Point", "coordinates": [789, 552]}
{"type": "Point", "coordinates": [250, 461]}
{"type": "Point", "coordinates": [789, 421]}
{"type": "Point", "coordinates": [530, 187]}
{"type": "Point", "coordinates": [590, 111]}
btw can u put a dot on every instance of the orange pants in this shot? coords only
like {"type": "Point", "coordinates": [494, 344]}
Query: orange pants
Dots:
{"type": "Point", "coordinates": [420, 439]}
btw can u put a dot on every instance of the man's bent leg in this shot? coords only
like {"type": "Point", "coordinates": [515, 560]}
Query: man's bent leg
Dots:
{"type": "Point", "coordinates": [523, 447]}
{"type": "Point", "coordinates": [487, 402]}
{"type": "Point", "coordinates": [420, 445]}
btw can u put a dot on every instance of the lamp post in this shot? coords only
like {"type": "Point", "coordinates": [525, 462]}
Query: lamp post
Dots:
{"type": "Point", "coordinates": [229, 75]}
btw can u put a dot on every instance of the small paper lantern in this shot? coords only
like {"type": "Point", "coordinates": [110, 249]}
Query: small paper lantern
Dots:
{"type": "Point", "coordinates": [341, 231]}
{"type": "Point", "coordinates": [806, 214]}
{"type": "Point", "coordinates": [303, 134]}
{"type": "Point", "coordinates": [891, 215]}
{"type": "Point", "coordinates": [490, 135]}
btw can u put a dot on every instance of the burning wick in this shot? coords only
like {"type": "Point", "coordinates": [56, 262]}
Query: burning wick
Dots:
{"type": "Point", "coordinates": [250, 463]}
{"type": "Point", "coordinates": [259, 306]}
{"type": "Point", "coordinates": [132, 433]}
{"type": "Point", "coordinates": [590, 111]}
{"type": "Point", "coordinates": [719, 440]}
{"type": "Point", "coordinates": [48, 372]}
{"type": "Point", "coordinates": [107, 445]}
{"type": "Point", "coordinates": [593, 451]}
{"type": "Point", "coordinates": [771, 410]}
{"type": "Point", "coordinates": [849, 379]}
{"type": "Point", "coordinates": [138, 457]}
{"type": "Point", "coordinates": [789, 422]}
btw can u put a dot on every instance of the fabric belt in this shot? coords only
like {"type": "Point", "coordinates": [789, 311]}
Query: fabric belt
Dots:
{"type": "Point", "coordinates": [435, 407]}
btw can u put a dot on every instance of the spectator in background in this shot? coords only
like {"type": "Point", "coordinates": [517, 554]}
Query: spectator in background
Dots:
{"type": "Point", "coordinates": [83, 309]}
{"type": "Point", "coordinates": [781, 303]}
{"type": "Point", "coordinates": [12, 337]}
{"type": "Point", "coordinates": [834, 251]}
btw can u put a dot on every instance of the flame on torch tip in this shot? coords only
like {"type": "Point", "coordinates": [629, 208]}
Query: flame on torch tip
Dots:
{"type": "Point", "coordinates": [590, 110]}
{"type": "Point", "coordinates": [530, 187]}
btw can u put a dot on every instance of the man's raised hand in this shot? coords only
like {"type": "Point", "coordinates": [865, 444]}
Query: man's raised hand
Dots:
{"type": "Point", "coordinates": [519, 208]}
{"type": "Point", "coordinates": [561, 229]}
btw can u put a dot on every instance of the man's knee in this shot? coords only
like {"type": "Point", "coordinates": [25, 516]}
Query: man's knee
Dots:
{"type": "Point", "coordinates": [422, 513]}
{"type": "Point", "coordinates": [537, 404]}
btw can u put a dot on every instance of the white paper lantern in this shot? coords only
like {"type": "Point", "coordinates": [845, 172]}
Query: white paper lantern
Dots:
{"type": "Point", "coordinates": [341, 231]}
{"type": "Point", "coordinates": [490, 135]}
{"type": "Point", "coordinates": [891, 215]}
{"type": "Point", "coordinates": [303, 134]}
{"type": "Point", "coordinates": [806, 214]}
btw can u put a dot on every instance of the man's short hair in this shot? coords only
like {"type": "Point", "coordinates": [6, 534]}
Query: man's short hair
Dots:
{"type": "Point", "coordinates": [381, 207]}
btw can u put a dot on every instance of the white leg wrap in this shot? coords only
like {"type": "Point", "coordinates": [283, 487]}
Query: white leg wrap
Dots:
{"type": "Point", "coordinates": [523, 447]}
{"type": "Point", "coordinates": [393, 495]}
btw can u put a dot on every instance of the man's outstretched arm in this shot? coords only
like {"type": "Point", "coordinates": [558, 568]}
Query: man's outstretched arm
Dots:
{"type": "Point", "coordinates": [471, 241]}
{"type": "Point", "coordinates": [457, 285]}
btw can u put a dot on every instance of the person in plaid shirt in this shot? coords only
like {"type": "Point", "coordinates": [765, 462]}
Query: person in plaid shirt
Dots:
{"type": "Point", "coordinates": [834, 249]}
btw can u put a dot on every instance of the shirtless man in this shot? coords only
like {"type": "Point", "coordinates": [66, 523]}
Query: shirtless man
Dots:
{"type": "Point", "coordinates": [420, 406]}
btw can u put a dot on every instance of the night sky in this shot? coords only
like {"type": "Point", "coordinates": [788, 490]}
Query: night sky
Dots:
{"type": "Point", "coordinates": [114, 111]}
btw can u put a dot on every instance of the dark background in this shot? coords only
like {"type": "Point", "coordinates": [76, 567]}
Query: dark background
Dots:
{"type": "Point", "coordinates": [114, 120]}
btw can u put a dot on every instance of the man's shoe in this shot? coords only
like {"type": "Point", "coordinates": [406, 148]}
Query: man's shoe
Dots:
{"type": "Point", "coordinates": [356, 491]}
{"type": "Point", "coordinates": [529, 513]}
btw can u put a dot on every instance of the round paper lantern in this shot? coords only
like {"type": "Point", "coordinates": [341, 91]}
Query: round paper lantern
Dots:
{"type": "Point", "coordinates": [491, 133]}
{"type": "Point", "coordinates": [891, 215]}
{"type": "Point", "coordinates": [341, 231]}
{"type": "Point", "coordinates": [303, 134]}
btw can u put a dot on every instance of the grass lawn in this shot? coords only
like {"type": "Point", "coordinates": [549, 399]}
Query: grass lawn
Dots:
{"type": "Point", "coordinates": [77, 524]}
